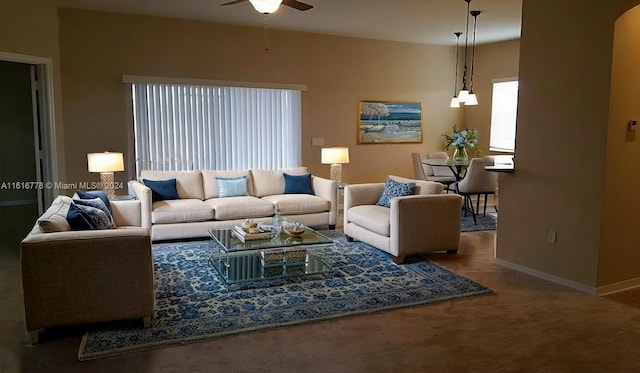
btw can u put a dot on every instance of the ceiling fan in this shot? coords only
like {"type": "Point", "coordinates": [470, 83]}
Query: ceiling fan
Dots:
{"type": "Point", "coordinates": [270, 6]}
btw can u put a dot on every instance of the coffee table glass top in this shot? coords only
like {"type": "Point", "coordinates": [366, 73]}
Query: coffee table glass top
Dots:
{"type": "Point", "coordinates": [231, 243]}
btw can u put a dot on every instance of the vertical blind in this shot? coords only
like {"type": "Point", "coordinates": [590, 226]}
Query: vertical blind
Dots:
{"type": "Point", "coordinates": [504, 109]}
{"type": "Point", "coordinates": [189, 127]}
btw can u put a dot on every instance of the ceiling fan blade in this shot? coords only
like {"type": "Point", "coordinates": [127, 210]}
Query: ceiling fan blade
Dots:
{"type": "Point", "coordinates": [233, 2]}
{"type": "Point", "coordinates": [297, 4]}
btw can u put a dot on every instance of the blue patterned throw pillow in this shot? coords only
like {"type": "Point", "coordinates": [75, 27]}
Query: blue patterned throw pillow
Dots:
{"type": "Point", "coordinates": [98, 204]}
{"type": "Point", "coordinates": [232, 186]}
{"type": "Point", "coordinates": [82, 217]}
{"type": "Point", "coordinates": [95, 194]}
{"type": "Point", "coordinates": [297, 184]}
{"type": "Point", "coordinates": [162, 190]}
{"type": "Point", "coordinates": [394, 188]}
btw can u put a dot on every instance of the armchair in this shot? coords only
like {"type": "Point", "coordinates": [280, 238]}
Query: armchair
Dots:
{"type": "Point", "coordinates": [423, 222]}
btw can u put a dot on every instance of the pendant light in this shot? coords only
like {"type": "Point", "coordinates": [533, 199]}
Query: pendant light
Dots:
{"type": "Point", "coordinates": [464, 92]}
{"type": "Point", "coordinates": [454, 101]}
{"type": "Point", "coordinates": [472, 99]}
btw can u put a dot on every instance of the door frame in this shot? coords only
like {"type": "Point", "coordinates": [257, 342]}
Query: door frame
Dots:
{"type": "Point", "coordinates": [46, 110]}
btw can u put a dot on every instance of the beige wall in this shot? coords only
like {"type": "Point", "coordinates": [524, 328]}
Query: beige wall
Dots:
{"type": "Point", "coordinates": [563, 116]}
{"type": "Point", "coordinates": [619, 256]}
{"type": "Point", "coordinates": [30, 28]}
{"type": "Point", "coordinates": [98, 48]}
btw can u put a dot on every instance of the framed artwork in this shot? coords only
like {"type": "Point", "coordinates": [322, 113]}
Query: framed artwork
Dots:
{"type": "Point", "coordinates": [383, 122]}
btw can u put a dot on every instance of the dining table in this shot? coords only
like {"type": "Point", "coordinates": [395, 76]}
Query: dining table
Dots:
{"type": "Point", "coordinates": [457, 166]}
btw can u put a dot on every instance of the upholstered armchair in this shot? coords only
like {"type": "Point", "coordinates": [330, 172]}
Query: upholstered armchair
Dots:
{"type": "Point", "coordinates": [423, 222]}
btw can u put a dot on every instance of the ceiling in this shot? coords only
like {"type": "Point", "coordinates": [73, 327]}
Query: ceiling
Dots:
{"type": "Point", "coordinates": [416, 21]}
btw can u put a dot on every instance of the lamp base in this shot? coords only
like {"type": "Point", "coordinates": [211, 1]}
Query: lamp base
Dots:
{"type": "Point", "coordinates": [336, 172]}
{"type": "Point", "coordinates": [107, 181]}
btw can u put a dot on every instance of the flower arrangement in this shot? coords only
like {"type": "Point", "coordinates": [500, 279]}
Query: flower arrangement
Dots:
{"type": "Point", "coordinates": [465, 139]}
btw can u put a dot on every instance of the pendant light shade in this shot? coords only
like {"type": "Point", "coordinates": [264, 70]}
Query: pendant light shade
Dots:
{"type": "Point", "coordinates": [471, 100]}
{"type": "Point", "coordinates": [266, 6]}
{"type": "Point", "coordinates": [455, 103]}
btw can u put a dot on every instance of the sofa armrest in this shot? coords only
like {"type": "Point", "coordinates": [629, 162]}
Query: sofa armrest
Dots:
{"type": "Point", "coordinates": [126, 213]}
{"type": "Point", "coordinates": [327, 189]}
{"type": "Point", "coordinates": [432, 220]}
{"type": "Point", "coordinates": [143, 194]}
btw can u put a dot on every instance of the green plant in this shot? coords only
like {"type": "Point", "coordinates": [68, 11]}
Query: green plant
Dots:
{"type": "Point", "coordinates": [467, 139]}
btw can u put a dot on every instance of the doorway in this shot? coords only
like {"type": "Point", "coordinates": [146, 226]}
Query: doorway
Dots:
{"type": "Point", "coordinates": [24, 150]}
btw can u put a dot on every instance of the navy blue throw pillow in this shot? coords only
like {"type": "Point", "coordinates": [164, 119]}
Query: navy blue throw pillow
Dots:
{"type": "Point", "coordinates": [297, 184]}
{"type": "Point", "coordinates": [162, 190]}
{"type": "Point", "coordinates": [95, 194]}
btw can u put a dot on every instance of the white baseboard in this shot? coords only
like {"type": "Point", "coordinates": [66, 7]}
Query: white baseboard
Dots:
{"type": "Point", "coordinates": [545, 276]}
{"type": "Point", "coordinates": [619, 286]}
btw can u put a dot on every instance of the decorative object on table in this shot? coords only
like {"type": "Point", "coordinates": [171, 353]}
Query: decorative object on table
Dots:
{"type": "Point", "coordinates": [335, 156]}
{"type": "Point", "coordinates": [250, 233]}
{"type": "Point", "coordinates": [466, 95]}
{"type": "Point", "coordinates": [276, 223]}
{"type": "Point", "coordinates": [461, 141]}
{"type": "Point", "coordinates": [389, 122]}
{"type": "Point", "coordinates": [106, 164]}
{"type": "Point", "coordinates": [194, 306]}
{"type": "Point", "coordinates": [293, 228]}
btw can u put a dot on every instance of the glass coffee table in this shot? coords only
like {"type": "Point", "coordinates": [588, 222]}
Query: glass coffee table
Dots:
{"type": "Point", "coordinates": [270, 258]}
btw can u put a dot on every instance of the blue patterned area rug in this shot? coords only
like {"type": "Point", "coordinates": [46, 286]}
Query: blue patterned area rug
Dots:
{"type": "Point", "coordinates": [192, 304]}
{"type": "Point", "coordinates": [484, 223]}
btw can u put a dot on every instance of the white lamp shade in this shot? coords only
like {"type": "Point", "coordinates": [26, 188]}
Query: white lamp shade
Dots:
{"type": "Point", "coordinates": [105, 162]}
{"type": "Point", "coordinates": [454, 103]}
{"type": "Point", "coordinates": [335, 155]}
{"type": "Point", "coordinates": [471, 100]}
{"type": "Point", "coordinates": [462, 96]}
{"type": "Point", "coordinates": [266, 6]}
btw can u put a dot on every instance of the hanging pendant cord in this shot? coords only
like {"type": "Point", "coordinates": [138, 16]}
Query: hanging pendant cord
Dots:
{"type": "Point", "coordinates": [455, 81]}
{"type": "Point", "coordinates": [475, 14]}
{"type": "Point", "coordinates": [466, 44]}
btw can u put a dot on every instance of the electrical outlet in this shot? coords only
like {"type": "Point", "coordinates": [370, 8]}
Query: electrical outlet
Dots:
{"type": "Point", "coordinates": [552, 236]}
{"type": "Point", "coordinates": [317, 141]}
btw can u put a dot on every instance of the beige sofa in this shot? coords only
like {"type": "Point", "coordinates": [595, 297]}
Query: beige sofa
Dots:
{"type": "Point", "coordinates": [423, 222]}
{"type": "Point", "coordinates": [78, 277]}
{"type": "Point", "coordinates": [201, 209]}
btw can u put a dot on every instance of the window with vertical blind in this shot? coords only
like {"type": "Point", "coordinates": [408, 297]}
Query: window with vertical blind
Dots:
{"type": "Point", "coordinates": [190, 127]}
{"type": "Point", "coordinates": [504, 108]}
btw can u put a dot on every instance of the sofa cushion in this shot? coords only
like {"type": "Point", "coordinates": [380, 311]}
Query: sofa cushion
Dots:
{"type": "Point", "coordinates": [393, 188]}
{"type": "Point", "coordinates": [180, 211]}
{"type": "Point", "coordinates": [297, 184]}
{"type": "Point", "coordinates": [232, 186]}
{"type": "Point", "coordinates": [162, 190]}
{"type": "Point", "coordinates": [85, 217]}
{"type": "Point", "coordinates": [211, 186]}
{"type": "Point", "coordinates": [372, 217]}
{"type": "Point", "coordinates": [98, 204]}
{"type": "Point", "coordinates": [188, 183]}
{"type": "Point", "coordinates": [297, 204]}
{"type": "Point", "coordinates": [55, 218]}
{"type": "Point", "coordinates": [244, 207]}
{"type": "Point", "coordinates": [269, 182]}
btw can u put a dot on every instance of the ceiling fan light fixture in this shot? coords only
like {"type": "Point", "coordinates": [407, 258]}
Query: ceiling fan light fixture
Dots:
{"type": "Point", "coordinates": [266, 6]}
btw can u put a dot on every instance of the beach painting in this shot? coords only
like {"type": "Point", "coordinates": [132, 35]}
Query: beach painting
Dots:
{"type": "Point", "coordinates": [384, 122]}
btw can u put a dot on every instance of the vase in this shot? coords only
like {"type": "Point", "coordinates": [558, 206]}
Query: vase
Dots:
{"type": "Point", "coordinates": [460, 154]}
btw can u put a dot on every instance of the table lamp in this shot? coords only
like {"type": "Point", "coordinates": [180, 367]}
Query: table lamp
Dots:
{"type": "Point", "coordinates": [106, 164]}
{"type": "Point", "coordinates": [335, 157]}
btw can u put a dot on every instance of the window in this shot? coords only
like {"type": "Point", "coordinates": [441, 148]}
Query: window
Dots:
{"type": "Point", "coordinates": [187, 127]}
{"type": "Point", "coordinates": [503, 116]}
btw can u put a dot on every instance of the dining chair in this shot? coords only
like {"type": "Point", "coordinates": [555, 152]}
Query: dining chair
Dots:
{"type": "Point", "coordinates": [477, 182]}
{"type": "Point", "coordinates": [422, 171]}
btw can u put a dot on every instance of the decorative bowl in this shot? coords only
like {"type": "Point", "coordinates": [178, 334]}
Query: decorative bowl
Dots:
{"type": "Point", "coordinates": [294, 229]}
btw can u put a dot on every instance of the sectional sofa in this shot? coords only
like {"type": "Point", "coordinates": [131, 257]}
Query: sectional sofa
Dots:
{"type": "Point", "coordinates": [201, 207]}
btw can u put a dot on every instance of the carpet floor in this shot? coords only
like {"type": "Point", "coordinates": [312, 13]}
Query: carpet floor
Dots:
{"type": "Point", "coordinates": [193, 303]}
